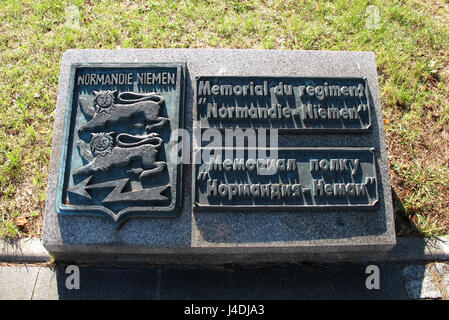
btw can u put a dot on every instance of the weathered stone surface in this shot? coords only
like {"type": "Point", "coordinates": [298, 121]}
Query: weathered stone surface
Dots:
{"type": "Point", "coordinates": [420, 283]}
{"type": "Point", "coordinates": [17, 283]}
{"type": "Point", "coordinates": [46, 285]}
{"type": "Point", "coordinates": [23, 250]}
{"type": "Point", "coordinates": [236, 235]}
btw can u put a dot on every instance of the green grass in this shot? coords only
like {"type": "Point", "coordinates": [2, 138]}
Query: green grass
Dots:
{"type": "Point", "coordinates": [410, 45]}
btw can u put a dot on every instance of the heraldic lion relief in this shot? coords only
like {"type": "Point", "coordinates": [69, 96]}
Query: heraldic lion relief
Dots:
{"type": "Point", "coordinates": [121, 145]}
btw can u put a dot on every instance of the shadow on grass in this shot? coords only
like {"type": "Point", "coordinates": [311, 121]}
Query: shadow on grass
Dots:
{"type": "Point", "coordinates": [403, 225]}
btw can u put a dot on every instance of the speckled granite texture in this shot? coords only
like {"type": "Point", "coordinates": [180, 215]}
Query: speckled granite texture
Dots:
{"type": "Point", "coordinates": [232, 237]}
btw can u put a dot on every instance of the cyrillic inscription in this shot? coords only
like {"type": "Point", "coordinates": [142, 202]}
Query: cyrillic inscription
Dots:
{"type": "Point", "coordinates": [297, 177]}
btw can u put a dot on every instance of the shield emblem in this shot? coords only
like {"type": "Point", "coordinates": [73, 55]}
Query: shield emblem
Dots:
{"type": "Point", "coordinates": [117, 158]}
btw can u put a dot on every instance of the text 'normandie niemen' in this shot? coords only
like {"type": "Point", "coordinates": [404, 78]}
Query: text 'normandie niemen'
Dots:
{"type": "Point", "coordinates": [252, 89]}
{"type": "Point", "coordinates": [126, 78]}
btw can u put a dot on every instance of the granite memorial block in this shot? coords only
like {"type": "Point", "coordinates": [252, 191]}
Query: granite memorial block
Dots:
{"type": "Point", "coordinates": [218, 156]}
